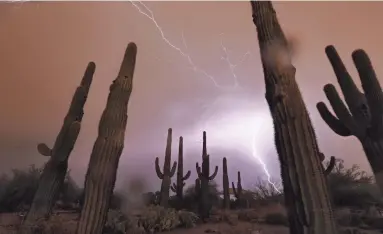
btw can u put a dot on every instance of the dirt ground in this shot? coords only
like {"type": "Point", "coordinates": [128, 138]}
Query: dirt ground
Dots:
{"type": "Point", "coordinates": [9, 224]}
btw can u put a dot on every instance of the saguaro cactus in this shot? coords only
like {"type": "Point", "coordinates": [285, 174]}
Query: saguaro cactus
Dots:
{"type": "Point", "coordinates": [167, 172]}
{"type": "Point", "coordinates": [178, 188]}
{"type": "Point", "coordinates": [225, 183]}
{"type": "Point", "coordinates": [363, 115]}
{"type": "Point", "coordinates": [305, 188]}
{"type": "Point", "coordinates": [238, 191]}
{"type": "Point", "coordinates": [101, 174]}
{"type": "Point", "coordinates": [205, 177]}
{"type": "Point", "coordinates": [54, 172]}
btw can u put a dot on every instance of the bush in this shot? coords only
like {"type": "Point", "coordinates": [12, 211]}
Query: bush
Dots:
{"type": "Point", "coordinates": [18, 189]}
{"type": "Point", "coordinates": [157, 219]}
{"type": "Point", "coordinates": [352, 186]}
{"type": "Point", "coordinates": [276, 219]}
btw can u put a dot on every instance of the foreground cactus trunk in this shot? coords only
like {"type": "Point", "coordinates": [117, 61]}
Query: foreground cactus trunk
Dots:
{"type": "Point", "coordinates": [101, 175]}
{"type": "Point", "coordinates": [54, 172]}
{"type": "Point", "coordinates": [168, 172]}
{"type": "Point", "coordinates": [225, 185]}
{"type": "Point", "coordinates": [363, 115]}
{"type": "Point", "coordinates": [178, 188]}
{"type": "Point", "coordinates": [305, 188]}
{"type": "Point", "coordinates": [205, 177]}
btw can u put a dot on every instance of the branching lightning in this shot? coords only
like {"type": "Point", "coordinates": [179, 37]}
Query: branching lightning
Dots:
{"type": "Point", "coordinates": [150, 15]}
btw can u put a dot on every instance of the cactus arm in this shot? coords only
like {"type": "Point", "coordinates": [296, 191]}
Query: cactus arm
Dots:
{"type": "Point", "coordinates": [341, 110]}
{"type": "Point", "coordinates": [371, 87]}
{"type": "Point", "coordinates": [333, 122]}
{"type": "Point", "coordinates": [174, 188]}
{"type": "Point", "coordinates": [214, 173]}
{"type": "Point", "coordinates": [173, 170]}
{"type": "Point", "coordinates": [44, 149]}
{"type": "Point", "coordinates": [330, 166]}
{"type": "Point", "coordinates": [187, 175]}
{"type": "Point", "coordinates": [350, 92]}
{"type": "Point", "coordinates": [198, 169]}
{"type": "Point", "coordinates": [158, 169]}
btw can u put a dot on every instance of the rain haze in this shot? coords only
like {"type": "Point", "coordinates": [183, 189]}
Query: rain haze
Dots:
{"type": "Point", "coordinates": [198, 68]}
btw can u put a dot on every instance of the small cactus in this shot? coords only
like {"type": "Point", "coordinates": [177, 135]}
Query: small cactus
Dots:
{"type": "Point", "coordinates": [167, 173]}
{"type": "Point", "coordinates": [178, 188]}
{"type": "Point", "coordinates": [238, 191]}
{"type": "Point", "coordinates": [330, 166]}
{"type": "Point", "coordinates": [225, 182]}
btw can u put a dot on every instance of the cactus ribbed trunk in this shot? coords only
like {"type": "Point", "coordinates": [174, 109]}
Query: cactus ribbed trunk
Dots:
{"type": "Point", "coordinates": [53, 175]}
{"type": "Point", "coordinates": [179, 186]}
{"type": "Point", "coordinates": [168, 172]}
{"type": "Point", "coordinates": [305, 188]}
{"type": "Point", "coordinates": [205, 177]}
{"type": "Point", "coordinates": [102, 169]}
{"type": "Point", "coordinates": [225, 183]}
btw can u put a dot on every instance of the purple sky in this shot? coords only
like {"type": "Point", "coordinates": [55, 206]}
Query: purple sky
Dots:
{"type": "Point", "coordinates": [45, 48]}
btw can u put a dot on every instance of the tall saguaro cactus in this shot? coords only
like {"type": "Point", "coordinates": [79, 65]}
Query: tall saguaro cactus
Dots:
{"type": "Point", "coordinates": [305, 189]}
{"type": "Point", "coordinates": [102, 169]}
{"type": "Point", "coordinates": [205, 177]}
{"type": "Point", "coordinates": [168, 172]}
{"type": "Point", "coordinates": [178, 188]}
{"type": "Point", "coordinates": [363, 115]}
{"type": "Point", "coordinates": [225, 183]}
{"type": "Point", "coordinates": [54, 172]}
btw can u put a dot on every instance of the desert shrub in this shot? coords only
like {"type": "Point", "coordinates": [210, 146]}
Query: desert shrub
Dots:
{"type": "Point", "coordinates": [352, 186]}
{"type": "Point", "coordinates": [157, 219]}
{"type": "Point", "coordinates": [276, 219]}
{"type": "Point", "coordinates": [190, 199]}
{"type": "Point", "coordinates": [17, 189]}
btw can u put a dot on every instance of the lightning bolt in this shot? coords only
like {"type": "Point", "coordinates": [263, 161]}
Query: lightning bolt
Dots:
{"type": "Point", "coordinates": [150, 15]}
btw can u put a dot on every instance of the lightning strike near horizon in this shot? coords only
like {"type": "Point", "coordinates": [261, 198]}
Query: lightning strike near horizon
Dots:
{"type": "Point", "coordinates": [150, 15]}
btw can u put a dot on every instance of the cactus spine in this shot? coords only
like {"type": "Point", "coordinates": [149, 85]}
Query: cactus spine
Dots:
{"type": "Point", "coordinates": [167, 172]}
{"type": "Point", "coordinates": [205, 177]}
{"type": "Point", "coordinates": [225, 183]}
{"type": "Point", "coordinates": [305, 188]}
{"type": "Point", "coordinates": [363, 115]}
{"type": "Point", "coordinates": [178, 188]}
{"type": "Point", "coordinates": [101, 174]}
{"type": "Point", "coordinates": [54, 172]}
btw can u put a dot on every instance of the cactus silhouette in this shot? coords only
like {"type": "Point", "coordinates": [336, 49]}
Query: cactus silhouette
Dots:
{"type": "Point", "coordinates": [54, 172]}
{"type": "Point", "coordinates": [225, 183]}
{"type": "Point", "coordinates": [205, 177]}
{"type": "Point", "coordinates": [331, 164]}
{"type": "Point", "coordinates": [305, 188]}
{"type": "Point", "coordinates": [363, 115]}
{"type": "Point", "coordinates": [197, 188]}
{"type": "Point", "coordinates": [167, 173]}
{"type": "Point", "coordinates": [102, 169]}
{"type": "Point", "coordinates": [178, 188]}
{"type": "Point", "coordinates": [237, 191]}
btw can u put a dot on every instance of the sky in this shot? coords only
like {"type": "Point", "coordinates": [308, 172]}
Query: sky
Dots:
{"type": "Point", "coordinates": [186, 73]}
